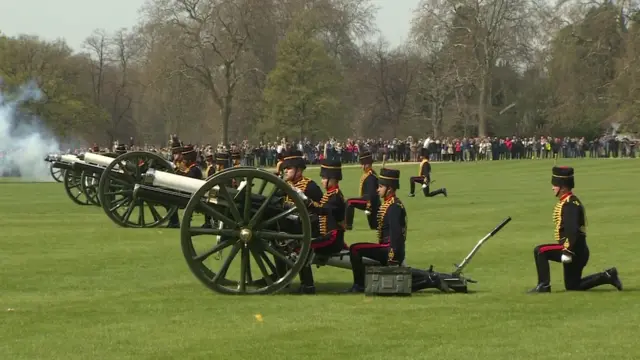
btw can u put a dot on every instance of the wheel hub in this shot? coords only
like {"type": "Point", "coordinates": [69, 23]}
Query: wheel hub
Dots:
{"type": "Point", "coordinates": [245, 235]}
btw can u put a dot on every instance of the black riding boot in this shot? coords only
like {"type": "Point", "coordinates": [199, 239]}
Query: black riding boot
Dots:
{"type": "Point", "coordinates": [608, 277]}
{"type": "Point", "coordinates": [442, 191]}
{"type": "Point", "coordinates": [306, 281]}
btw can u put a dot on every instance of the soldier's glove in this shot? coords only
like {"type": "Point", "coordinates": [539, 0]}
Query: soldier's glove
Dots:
{"type": "Point", "coordinates": [566, 259]}
{"type": "Point", "coordinates": [424, 186]}
{"type": "Point", "coordinates": [367, 212]}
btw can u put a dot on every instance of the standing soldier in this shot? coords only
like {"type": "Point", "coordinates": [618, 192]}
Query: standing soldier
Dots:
{"type": "Point", "coordinates": [571, 241]}
{"type": "Point", "coordinates": [187, 167]}
{"type": "Point", "coordinates": [330, 210]}
{"type": "Point", "coordinates": [424, 178]}
{"type": "Point", "coordinates": [211, 165]}
{"type": "Point", "coordinates": [236, 157]}
{"type": "Point", "coordinates": [392, 231]}
{"type": "Point", "coordinates": [221, 162]}
{"type": "Point", "coordinates": [369, 201]}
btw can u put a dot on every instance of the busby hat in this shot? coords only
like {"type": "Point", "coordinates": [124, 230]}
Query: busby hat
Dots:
{"type": "Point", "coordinates": [176, 145]}
{"type": "Point", "coordinates": [424, 152]}
{"type": "Point", "coordinates": [366, 158]}
{"type": "Point", "coordinates": [208, 154]}
{"type": "Point", "coordinates": [121, 149]}
{"type": "Point", "coordinates": [331, 169]}
{"type": "Point", "coordinates": [389, 177]}
{"type": "Point", "coordinates": [189, 153]}
{"type": "Point", "coordinates": [222, 158]}
{"type": "Point", "coordinates": [235, 155]}
{"type": "Point", "coordinates": [293, 158]}
{"type": "Point", "coordinates": [562, 176]}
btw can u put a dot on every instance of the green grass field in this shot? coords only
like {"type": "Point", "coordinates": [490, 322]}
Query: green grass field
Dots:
{"type": "Point", "coordinates": [73, 285]}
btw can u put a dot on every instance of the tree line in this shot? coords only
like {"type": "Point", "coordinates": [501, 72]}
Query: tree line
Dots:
{"type": "Point", "coordinates": [225, 70]}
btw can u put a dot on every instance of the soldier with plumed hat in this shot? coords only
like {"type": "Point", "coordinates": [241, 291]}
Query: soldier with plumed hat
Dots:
{"type": "Point", "coordinates": [391, 229]}
{"type": "Point", "coordinates": [368, 201]}
{"type": "Point", "coordinates": [210, 162]}
{"type": "Point", "coordinates": [331, 211]}
{"type": "Point", "coordinates": [570, 235]}
{"type": "Point", "coordinates": [221, 161]}
{"type": "Point", "coordinates": [424, 178]}
{"type": "Point", "coordinates": [236, 157]}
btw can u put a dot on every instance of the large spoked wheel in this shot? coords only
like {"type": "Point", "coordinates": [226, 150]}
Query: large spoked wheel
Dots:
{"type": "Point", "coordinates": [89, 182]}
{"type": "Point", "coordinates": [73, 187]}
{"type": "Point", "coordinates": [56, 174]}
{"type": "Point", "coordinates": [257, 228]}
{"type": "Point", "coordinates": [115, 191]}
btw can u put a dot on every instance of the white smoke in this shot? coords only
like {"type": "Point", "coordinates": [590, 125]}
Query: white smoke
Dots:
{"type": "Point", "coordinates": [24, 142]}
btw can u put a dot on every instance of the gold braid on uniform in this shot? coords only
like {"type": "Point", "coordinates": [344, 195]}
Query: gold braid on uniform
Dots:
{"type": "Point", "coordinates": [557, 218]}
{"type": "Point", "coordinates": [300, 185]}
{"type": "Point", "coordinates": [322, 219]}
{"type": "Point", "coordinates": [363, 178]}
{"type": "Point", "coordinates": [382, 212]}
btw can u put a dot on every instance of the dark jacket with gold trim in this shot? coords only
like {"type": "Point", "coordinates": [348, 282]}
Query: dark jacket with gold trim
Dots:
{"type": "Point", "coordinates": [194, 172]}
{"type": "Point", "coordinates": [570, 224]}
{"type": "Point", "coordinates": [425, 170]}
{"type": "Point", "coordinates": [309, 187]}
{"type": "Point", "coordinates": [369, 190]}
{"type": "Point", "coordinates": [392, 227]}
{"type": "Point", "coordinates": [330, 210]}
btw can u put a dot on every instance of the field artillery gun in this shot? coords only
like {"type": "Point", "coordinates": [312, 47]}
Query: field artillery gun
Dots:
{"type": "Point", "coordinates": [65, 166]}
{"type": "Point", "coordinates": [257, 226]}
{"type": "Point", "coordinates": [56, 173]}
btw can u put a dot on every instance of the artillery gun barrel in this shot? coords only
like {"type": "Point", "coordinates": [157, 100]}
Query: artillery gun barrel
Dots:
{"type": "Point", "coordinates": [160, 196]}
{"type": "Point", "coordinates": [96, 159]}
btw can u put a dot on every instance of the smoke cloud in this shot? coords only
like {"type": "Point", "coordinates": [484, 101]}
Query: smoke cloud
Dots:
{"type": "Point", "coordinates": [24, 141]}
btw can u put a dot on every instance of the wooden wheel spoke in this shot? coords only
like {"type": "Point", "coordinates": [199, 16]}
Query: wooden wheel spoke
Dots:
{"type": "Point", "coordinates": [215, 231]}
{"type": "Point", "coordinates": [217, 248]}
{"type": "Point", "coordinates": [154, 212]}
{"type": "Point", "coordinates": [277, 254]}
{"type": "Point", "coordinates": [258, 215]}
{"type": "Point", "coordinates": [277, 218]}
{"type": "Point", "coordinates": [231, 204]}
{"type": "Point", "coordinates": [244, 268]}
{"type": "Point", "coordinates": [119, 192]}
{"type": "Point", "coordinates": [141, 213]}
{"type": "Point", "coordinates": [215, 214]}
{"type": "Point", "coordinates": [257, 256]}
{"type": "Point", "coordinates": [127, 213]}
{"type": "Point", "coordinates": [222, 273]}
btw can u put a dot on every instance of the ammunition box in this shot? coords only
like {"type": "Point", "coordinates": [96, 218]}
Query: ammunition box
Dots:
{"type": "Point", "coordinates": [387, 280]}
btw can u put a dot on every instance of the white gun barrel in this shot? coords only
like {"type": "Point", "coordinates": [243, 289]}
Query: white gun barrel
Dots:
{"type": "Point", "coordinates": [174, 182]}
{"type": "Point", "coordinates": [69, 159]}
{"type": "Point", "coordinates": [96, 159]}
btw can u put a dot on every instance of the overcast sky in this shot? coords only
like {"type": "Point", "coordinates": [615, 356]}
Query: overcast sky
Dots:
{"type": "Point", "coordinates": [74, 20]}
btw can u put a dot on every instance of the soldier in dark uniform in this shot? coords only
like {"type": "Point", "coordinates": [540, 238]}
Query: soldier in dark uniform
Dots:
{"type": "Point", "coordinates": [121, 149]}
{"type": "Point", "coordinates": [294, 165]}
{"type": "Point", "coordinates": [330, 210]}
{"type": "Point", "coordinates": [392, 231]}
{"type": "Point", "coordinates": [186, 167]}
{"type": "Point", "coordinates": [95, 148]}
{"type": "Point", "coordinates": [221, 162]}
{"type": "Point", "coordinates": [369, 201]}
{"type": "Point", "coordinates": [279, 170]}
{"type": "Point", "coordinates": [424, 178]}
{"type": "Point", "coordinates": [210, 164]}
{"type": "Point", "coordinates": [571, 241]}
{"type": "Point", "coordinates": [236, 157]}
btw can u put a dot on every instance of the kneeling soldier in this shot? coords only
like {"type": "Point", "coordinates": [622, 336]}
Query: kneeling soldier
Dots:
{"type": "Point", "coordinates": [368, 200]}
{"type": "Point", "coordinates": [330, 211]}
{"type": "Point", "coordinates": [571, 248]}
{"type": "Point", "coordinates": [392, 231]}
{"type": "Point", "coordinates": [424, 178]}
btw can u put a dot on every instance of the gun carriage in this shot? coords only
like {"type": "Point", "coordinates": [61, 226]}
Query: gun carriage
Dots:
{"type": "Point", "coordinates": [71, 176]}
{"type": "Point", "coordinates": [255, 227]}
{"type": "Point", "coordinates": [56, 173]}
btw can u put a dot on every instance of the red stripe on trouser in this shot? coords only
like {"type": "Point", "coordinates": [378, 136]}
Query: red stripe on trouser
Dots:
{"type": "Point", "coordinates": [355, 248]}
{"type": "Point", "coordinates": [543, 249]}
{"type": "Point", "coordinates": [328, 239]}
{"type": "Point", "coordinates": [356, 201]}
